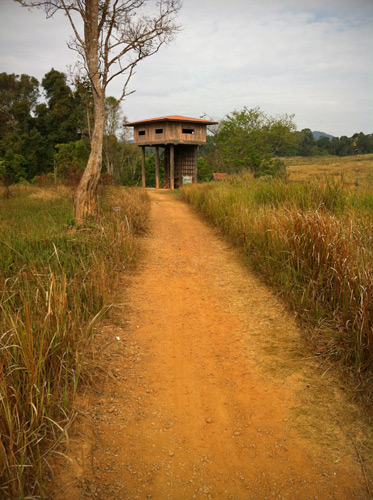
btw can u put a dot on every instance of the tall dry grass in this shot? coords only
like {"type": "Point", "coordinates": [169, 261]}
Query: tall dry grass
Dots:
{"type": "Point", "coordinates": [313, 242]}
{"type": "Point", "coordinates": [56, 281]}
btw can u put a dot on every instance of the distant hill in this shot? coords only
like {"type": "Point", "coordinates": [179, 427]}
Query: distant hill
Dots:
{"type": "Point", "coordinates": [318, 134]}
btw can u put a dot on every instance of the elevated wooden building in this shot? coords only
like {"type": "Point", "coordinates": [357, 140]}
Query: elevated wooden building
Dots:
{"type": "Point", "coordinates": [180, 137]}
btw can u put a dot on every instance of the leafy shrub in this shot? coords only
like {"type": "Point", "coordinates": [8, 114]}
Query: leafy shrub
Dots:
{"type": "Point", "coordinates": [271, 167]}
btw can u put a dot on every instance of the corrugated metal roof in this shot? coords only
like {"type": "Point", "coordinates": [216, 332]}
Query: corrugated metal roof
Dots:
{"type": "Point", "coordinates": [172, 118]}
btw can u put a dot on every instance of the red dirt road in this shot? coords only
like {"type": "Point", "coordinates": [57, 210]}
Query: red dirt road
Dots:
{"type": "Point", "coordinates": [205, 391]}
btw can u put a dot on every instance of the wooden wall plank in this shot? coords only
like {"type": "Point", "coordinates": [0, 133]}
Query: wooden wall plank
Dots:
{"type": "Point", "coordinates": [172, 133]}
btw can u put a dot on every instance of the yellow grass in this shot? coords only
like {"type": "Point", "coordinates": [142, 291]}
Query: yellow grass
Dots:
{"type": "Point", "coordinates": [353, 170]}
{"type": "Point", "coordinates": [38, 193]}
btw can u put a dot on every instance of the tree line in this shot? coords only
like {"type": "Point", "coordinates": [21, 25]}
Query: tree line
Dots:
{"type": "Point", "coordinates": [46, 132]}
{"type": "Point", "coordinates": [308, 145]}
{"type": "Point", "coordinates": [249, 139]}
{"type": "Point", "coordinates": [46, 129]}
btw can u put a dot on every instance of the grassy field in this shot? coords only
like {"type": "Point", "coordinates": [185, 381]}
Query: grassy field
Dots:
{"type": "Point", "coordinates": [56, 281]}
{"type": "Point", "coordinates": [351, 170]}
{"type": "Point", "coordinates": [313, 242]}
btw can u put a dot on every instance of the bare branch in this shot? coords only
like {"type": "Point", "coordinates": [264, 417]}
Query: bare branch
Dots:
{"type": "Point", "coordinates": [67, 11]}
{"type": "Point", "coordinates": [123, 35]}
{"type": "Point", "coordinates": [49, 6]}
{"type": "Point", "coordinates": [105, 9]}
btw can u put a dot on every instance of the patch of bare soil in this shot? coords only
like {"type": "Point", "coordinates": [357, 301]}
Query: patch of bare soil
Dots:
{"type": "Point", "coordinates": [205, 390]}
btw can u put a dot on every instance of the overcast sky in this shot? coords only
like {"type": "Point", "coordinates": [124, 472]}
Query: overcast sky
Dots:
{"type": "Point", "coordinates": [310, 58]}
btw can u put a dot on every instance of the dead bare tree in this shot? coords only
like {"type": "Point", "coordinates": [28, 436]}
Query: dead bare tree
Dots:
{"type": "Point", "coordinates": [111, 37]}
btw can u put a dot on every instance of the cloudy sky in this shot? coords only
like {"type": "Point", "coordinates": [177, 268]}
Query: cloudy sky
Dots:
{"type": "Point", "coordinates": [310, 58]}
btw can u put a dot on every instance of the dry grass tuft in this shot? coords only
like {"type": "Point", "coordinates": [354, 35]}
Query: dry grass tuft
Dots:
{"type": "Point", "coordinates": [313, 242]}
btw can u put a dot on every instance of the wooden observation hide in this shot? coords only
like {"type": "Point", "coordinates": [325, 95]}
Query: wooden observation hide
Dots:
{"type": "Point", "coordinates": [180, 137]}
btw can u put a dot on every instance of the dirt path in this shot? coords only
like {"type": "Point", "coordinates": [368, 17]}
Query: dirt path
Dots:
{"type": "Point", "coordinates": [207, 393]}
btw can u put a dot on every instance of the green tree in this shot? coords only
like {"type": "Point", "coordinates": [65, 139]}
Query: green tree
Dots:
{"type": "Point", "coordinates": [251, 140]}
{"type": "Point", "coordinates": [37, 152]}
{"type": "Point", "coordinates": [18, 98]}
{"type": "Point", "coordinates": [128, 164]}
{"type": "Point", "coordinates": [113, 123]}
{"type": "Point", "coordinates": [12, 169]}
{"type": "Point", "coordinates": [63, 117]}
{"type": "Point", "coordinates": [71, 159]}
{"type": "Point", "coordinates": [280, 134]}
{"type": "Point", "coordinates": [307, 143]}
{"type": "Point", "coordinates": [31, 130]}
{"type": "Point", "coordinates": [23, 148]}
{"type": "Point", "coordinates": [363, 144]}
{"type": "Point", "coordinates": [324, 145]}
{"type": "Point", "coordinates": [334, 145]}
{"type": "Point", "coordinates": [204, 170]}
{"type": "Point", "coordinates": [345, 147]}
{"type": "Point", "coordinates": [150, 170]}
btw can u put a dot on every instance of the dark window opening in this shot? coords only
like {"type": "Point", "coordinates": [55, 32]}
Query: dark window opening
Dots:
{"type": "Point", "coordinates": [141, 132]}
{"type": "Point", "coordinates": [188, 130]}
{"type": "Point", "coordinates": [159, 130]}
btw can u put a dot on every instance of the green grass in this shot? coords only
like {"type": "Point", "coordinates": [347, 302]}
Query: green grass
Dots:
{"type": "Point", "coordinates": [313, 242]}
{"type": "Point", "coordinates": [56, 281]}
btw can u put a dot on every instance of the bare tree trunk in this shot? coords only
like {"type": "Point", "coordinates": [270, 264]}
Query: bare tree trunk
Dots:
{"type": "Point", "coordinates": [89, 124]}
{"type": "Point", "coordinates": [109, 164]}
{"type": "Point", "coordinates": [84, 200]}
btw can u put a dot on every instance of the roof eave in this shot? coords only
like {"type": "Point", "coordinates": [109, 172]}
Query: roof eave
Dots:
{"type": "Point", "coordinates": [171, 119]}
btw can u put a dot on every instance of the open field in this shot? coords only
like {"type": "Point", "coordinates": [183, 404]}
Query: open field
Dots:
{"type": "Point", "coordinates": [352, 170]}
{"type": "Point", "coordinates": [56, 282]}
